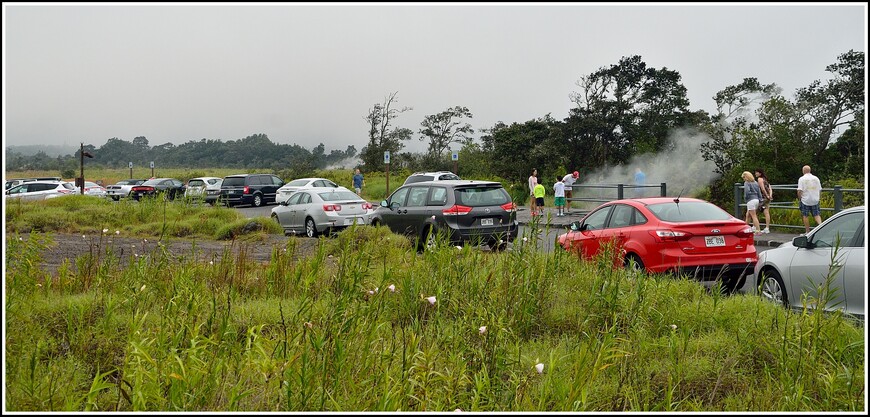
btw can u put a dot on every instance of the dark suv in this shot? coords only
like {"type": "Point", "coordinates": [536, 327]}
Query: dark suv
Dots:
{"type": "Point", "coordinates": [465, 211]}
{"type": "Point", "coordinates": [253, 189]}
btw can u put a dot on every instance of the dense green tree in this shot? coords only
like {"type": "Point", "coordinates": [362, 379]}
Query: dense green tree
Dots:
{"type": "Point", "coordinates": [444, 129]}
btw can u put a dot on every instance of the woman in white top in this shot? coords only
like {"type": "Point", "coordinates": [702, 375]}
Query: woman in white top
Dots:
{"type": "Point", "coordinates": [533, 181]}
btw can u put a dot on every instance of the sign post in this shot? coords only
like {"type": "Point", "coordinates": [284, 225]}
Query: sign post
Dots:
{"type": "Point", "coordinates": [455, 157]}
{"type": "Point", "coordinates": [131, 169]}
{"type": "Point", "coordinates": [82, 155]}
{"type": "Point", "coordinates": [387, 161]}
{"type": "Point", "coordinates": [152, 169]}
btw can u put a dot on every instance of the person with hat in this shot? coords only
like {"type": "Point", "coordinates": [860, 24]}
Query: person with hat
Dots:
{"type": "Point", "coordinates": [568, 180]}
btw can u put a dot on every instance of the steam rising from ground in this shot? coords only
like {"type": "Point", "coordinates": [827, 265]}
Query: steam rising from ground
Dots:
{"type": "Point", "coordinates": [680, 165]}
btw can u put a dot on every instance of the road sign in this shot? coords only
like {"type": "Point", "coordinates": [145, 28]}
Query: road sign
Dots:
{"type": "Point", "coordinates": [130, 165]}
{"type": "Point", "coordinates": [455, 156]}
{"type": "Point", "coordinates": [152, 164]}
{"type": "Point", "coordinates": [386, 157]}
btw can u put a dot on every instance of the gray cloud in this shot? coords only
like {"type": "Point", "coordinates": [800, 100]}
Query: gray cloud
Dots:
{"type": "Point", "coordinates": [308, 74]}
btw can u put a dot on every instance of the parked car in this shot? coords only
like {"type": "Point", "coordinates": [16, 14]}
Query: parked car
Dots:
{"type": "Point", "coordinates": [253, 189]}
{"type": "Point", "coordinates": [206, 188]}
{"type": "Point", "coordinates": [797, 269]}
{"type": "Point", "coordinates": [316, 210]}
{"type": "Point", "coordinates": [431, 176]}
{"type": "Point", "coordinates": [94, 189]}
{"type": "Point", "coordinates": [668, 235]}
{"type": "Point", "coordinates": [122, 188]}
{"type": "Point", "coordinates": [40, 190]}
{"type": "Point", "coordinates": [479, 212]}
{"type": "Point", "coordinates": [291, 187]}
{"type": "Point", "coordinates": [169, 188]}
{"type": "Point", "coordinates": [16, 181]}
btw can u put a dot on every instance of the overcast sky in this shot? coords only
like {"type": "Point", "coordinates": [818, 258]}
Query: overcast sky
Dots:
{"type": "Point", "coordinates": [307, 74]}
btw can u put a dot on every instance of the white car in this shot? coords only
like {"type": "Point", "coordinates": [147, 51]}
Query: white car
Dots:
{"type": "Point", "coordinates": [207, 188]}
{"type": "Point", "coordinates": [316, 210]}
{"type": "Point", "coordinates": [431, 176]}
{"type": "Point", "coordinates": [291, 187]}
{"type": "Point", "coordinates": [122, 188]}
{"type": "Point", "coordinates": [791, 274]}
{"type": "Point", "coordinates": [94, 189]}
{"type": "Point", "coordinates": [40, 190]}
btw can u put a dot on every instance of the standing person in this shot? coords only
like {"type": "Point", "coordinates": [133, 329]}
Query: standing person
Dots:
{"type": "Point", "coordinates": [809, 190]}
{"type": "Point", "coordinates": [559, 192]}
{"type": "Point", "coordinates": [639, 180]}
{"type": "Point", "coordinates": [751, 195]}
{"type": "Point", "coordinates": [539, 198]}
{"type": "Point", "coordinates": [766, 197]}
{"type": "Point", "coordinates": [358, 182]}
{"type": "Point", "coordinates": [568, 181]}
{"type": "Point", "coordinates": [533, 181]}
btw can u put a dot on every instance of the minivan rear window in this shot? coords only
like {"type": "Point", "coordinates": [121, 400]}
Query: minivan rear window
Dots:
{"type": "Point", "coordinates": [419, 178]}
{"type": "Point", "coordinates": [481, 196]}
{"type": "Point", "coordinates": [234, 181]}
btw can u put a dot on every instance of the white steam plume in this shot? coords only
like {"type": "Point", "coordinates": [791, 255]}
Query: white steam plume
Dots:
{"type": "Point", "coordinates": [680, 165]}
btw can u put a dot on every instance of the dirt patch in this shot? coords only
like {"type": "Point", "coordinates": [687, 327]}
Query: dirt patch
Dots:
{"type": "Point", "coordinates": [68, 246]}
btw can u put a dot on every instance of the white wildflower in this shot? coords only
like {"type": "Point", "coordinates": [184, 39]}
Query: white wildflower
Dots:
{"type": "Point", "coordinates": [540, 368]}
{"type": "Point", "coordinates": [309, 324]}
{"type": "Point", "coordinates": [105, 230]}
{"type": "Point", "coordinates": [117, 232]}
{"type": "Point", "coordinates": [142, 289]}
{"type": "Point", "coordinates": [211, 262]}
{"type": "Point", "coordinates": [392, 288]}
{"type": "Point", "coordinates": [459, 247]}
{"type": "Point", "coordinates": [673, 327]}
{"type": "Point", "coordinates": [482, 330]}
{"type": "Point", "coordinates": [431, 300]}
{"type": "Point", "coordinates": [525, 239]}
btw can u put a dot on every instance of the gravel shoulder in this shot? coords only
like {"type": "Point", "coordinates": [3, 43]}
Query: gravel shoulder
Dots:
{"type": "Point", "coordinates": [68, 246]}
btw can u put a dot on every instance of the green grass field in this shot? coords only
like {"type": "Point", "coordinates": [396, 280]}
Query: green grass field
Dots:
{"type": "Point", "coordinates": [364, 323]}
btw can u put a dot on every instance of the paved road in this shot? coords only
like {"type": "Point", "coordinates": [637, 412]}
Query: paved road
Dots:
{"type": "Point", "coordinates": [546, 237]}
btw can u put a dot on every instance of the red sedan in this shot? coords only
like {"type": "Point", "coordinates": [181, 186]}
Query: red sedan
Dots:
{"type": "Point", "coordinates": [668, 235]}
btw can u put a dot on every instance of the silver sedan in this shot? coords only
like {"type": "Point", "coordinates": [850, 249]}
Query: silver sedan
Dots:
{"type": "Point", "coordinates": [832, 255]}
{"type": "Point", "coordinates": [320, 209]}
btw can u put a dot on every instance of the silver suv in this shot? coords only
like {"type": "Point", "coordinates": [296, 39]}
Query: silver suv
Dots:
{"type": "Point", "coordinates": [431, 176]}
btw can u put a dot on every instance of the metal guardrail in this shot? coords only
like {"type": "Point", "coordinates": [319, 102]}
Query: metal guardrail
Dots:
{"type": "Point", "coordinates": [620, 191]}
{"type": "Point", "coordinates": [837, 190]}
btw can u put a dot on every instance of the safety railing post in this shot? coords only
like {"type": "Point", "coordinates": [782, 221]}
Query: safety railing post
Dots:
{"type": "Point", "coordinates": [838, 198]}
{"type": "Point", "coordinates": [664, 189]}
{"type": "Point", "coordinates": [619, 192]}
{"type": "Point", "coordinates": [737, 199]}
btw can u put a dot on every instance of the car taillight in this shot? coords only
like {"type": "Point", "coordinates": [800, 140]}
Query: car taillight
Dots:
{"type": "Point", "coordinates": [456, 210]}
{"type": "Point", "coordinates": [509, 207]}
{"type": "Point", "coordinates": [65, 191]}
{"type": "Point", "coordinates": [247, 190]}
{"type": "Point", "coordinates": [367, 206]}
{"type": "Point", "coordinates": [331, 207]}
{"type": "Point", "coordinates": [747, 232]}
{"type": "Point", "coordinates": [669, 235]}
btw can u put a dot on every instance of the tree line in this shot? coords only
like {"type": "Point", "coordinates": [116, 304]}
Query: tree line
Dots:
{"type": "Point", "coordinates": [619, 111]}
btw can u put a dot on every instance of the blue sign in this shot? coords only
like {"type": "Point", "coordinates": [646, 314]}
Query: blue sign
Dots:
{"type": "Point", "coordinates": [386, 157]}
{"type": "Point", "coordinates": [455, 156]}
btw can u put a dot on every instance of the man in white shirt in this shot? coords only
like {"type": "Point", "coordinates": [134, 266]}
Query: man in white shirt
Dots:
{"type": "Point", "coordinates": [809, 192]}
{"type": "Point", "coordinates": [568, 181]}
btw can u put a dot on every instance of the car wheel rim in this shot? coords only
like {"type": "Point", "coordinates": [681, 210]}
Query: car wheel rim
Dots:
{"type": "Point", "coordinates": [771, 290]}
{"type": "Point", "coordinates": [309, 228]}
{"type": "Point", "coordinates": [257, 201]}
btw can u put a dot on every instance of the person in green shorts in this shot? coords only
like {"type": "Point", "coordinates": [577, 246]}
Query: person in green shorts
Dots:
{"type": "Point", "coordinates": [559, 192]}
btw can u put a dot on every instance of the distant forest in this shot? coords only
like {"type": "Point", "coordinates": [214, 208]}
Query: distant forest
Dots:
{"type": "Point", "coordinates": [255, 151]}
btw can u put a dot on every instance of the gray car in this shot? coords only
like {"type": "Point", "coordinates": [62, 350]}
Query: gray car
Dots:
{"type": "Point", "coordinates": [316, 210]}
{"type": "Point", "coordinates": [40, 190]}
{"type": "Point", "coordinates": [792, 273]}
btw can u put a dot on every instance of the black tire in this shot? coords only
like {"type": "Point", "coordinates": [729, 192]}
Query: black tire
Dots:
{"type": "Point", "coordinates": [258, 200]}
{"type": "Point", "coordinates": [772, 287]}
{"type": "Point", "coordinates": [116, 198]}
{"type": "Point", "coordinates": [310, 227]}
{"type": "Point", "coordinates": [426, 240]}
{"type": "Point", "coordinates": [732, 284]}
{"type": "Point", "coordinates": [633, 261]}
